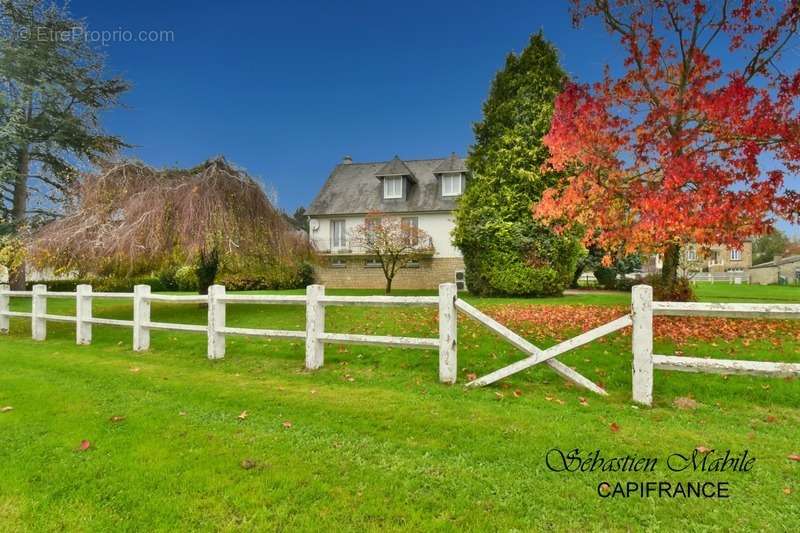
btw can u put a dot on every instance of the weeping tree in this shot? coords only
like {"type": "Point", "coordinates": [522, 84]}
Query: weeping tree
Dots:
{"type": "Point", "coordinates": [52, 92]}
{"type": "Point", "coordinates": [129, 219]}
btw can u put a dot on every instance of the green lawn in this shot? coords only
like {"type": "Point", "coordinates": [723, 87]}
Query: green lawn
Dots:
{"type": "Point", "coordinates": [372, 441]}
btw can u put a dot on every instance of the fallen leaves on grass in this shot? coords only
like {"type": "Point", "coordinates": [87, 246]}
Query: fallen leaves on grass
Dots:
{"type": "Point", "coordinates": [684, 403]}
{"type": "Point", "coordinates": [787, 490]}
{"type": "Point", "coordinates": [472, 376]}
{"type": "Point", "coordinates": [287, 424]}
{"type": "Point", "coordinates": [84, 446]}
{"type": "Point", "coordinates": [135, 369]}
{"type": "Point", "coordinates": [704, 449]}
{"type": "Point", "coordinates": [583, 401]}
{"type": "Point", "coordinates": [248, 464]}
{"type": "Point", "coordinates": [561, 321]}
{"type": "Point", "coordinates": [116, 418]}
{"type": "Point", "coordinates": [243, 415]}
{"type": "Point", "coordinates": [554, 399]}
{"type": "Point", "coordinates": [614, 427]}
{"type": "Point", "coordinates": [794, 457]}
{"type": "Point", "coordinates": [517, 393]}
{"type": "Point", "coordinates": [6, 409]}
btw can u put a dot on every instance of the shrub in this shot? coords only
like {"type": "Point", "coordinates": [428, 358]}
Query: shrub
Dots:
{"type": "Point", "coordinates": [186, 278]}
{"type": "Point", "coordinates": [167, 277]}
{"type": "Point", "coordinates": [99, 284]}
{"type": "Point", "coordinates": [606, 277]}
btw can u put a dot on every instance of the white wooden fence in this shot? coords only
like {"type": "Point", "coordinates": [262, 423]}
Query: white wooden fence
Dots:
{"type": "Point", "coordinates": [216, 329]}
{"type": "Point", "coordinates": [645, 361]}
{"type": "Point", "coordinates": [316, 301]}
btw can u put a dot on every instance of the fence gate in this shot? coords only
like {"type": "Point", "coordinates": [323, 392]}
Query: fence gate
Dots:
{"type": "Point", "coordinates": [537, 355]}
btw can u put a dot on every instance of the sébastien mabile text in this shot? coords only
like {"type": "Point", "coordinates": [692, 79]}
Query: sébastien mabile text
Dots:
{"type": "Point", "coordinates": [698, 462]}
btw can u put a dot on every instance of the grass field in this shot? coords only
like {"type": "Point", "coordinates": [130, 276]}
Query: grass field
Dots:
{"type": "Point", "coordinates": [371, 441]}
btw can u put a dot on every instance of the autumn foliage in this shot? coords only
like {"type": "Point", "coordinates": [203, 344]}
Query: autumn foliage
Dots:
{"type": "Point", "coordinates": [692, 141]}
{"type": "Point", "coordinates": [560, 322]}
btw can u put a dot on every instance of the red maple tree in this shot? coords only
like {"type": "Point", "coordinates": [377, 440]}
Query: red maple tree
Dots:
{"type": "Point", "coordinates": [692, 141]}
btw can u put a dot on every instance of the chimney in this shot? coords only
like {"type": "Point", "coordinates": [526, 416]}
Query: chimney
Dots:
{"type": "Point", "coordinates": [347, 160]}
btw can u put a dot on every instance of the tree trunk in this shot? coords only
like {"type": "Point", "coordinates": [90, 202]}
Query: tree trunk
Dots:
{"type": "Point", "coordinates": [669, 271]}
{"type": "Point", "coordinates": [388, 285]}
{"type": "Point", "coordinates": [19, 210]}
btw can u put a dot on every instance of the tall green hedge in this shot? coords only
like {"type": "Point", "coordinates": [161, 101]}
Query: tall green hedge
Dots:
{"type": "Point", "coordinates": [505, 250]}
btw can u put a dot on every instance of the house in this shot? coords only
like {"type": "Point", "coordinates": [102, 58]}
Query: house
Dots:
{"type": "Point", "coordinates": [719, 258]}
{"type": "Point", "coordinates": [784, 269]}
{"type": "Point", "coordinates": [423, 192]}
{"type": "Point", "coordinates": [713, 259]}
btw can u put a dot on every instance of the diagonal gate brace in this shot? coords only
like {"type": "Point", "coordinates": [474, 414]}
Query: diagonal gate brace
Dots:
{"type": "Point", "coordinates": [538, 355]}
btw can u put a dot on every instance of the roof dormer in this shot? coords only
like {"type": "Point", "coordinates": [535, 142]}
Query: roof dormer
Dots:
{"type": "Point", "coordinates": [451, 173]}
{"type": "Point", "coordinates": [395, 176]}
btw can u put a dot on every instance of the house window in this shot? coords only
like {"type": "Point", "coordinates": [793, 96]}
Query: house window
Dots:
{"type": "Point", "coordinates": [736, 255]}
{"type": "Point", "coordinates": [715, 258]}
{"type": "Point", "coordinates": [451, 184]}
{"type": "Point", "coordinates": [372, 263]}
{"type": "Point", "coordinates": [410, 227]}
{"type": "Point", "coordinates": [691, 254]}
{"type": "Point", "coordinates": [393, 187]}
{"type": "Point", "coordinates": [338, 262]}
{"type": "Point", "coordinates": [338, 234]}
{"type": "Point", "coordinates": [412, 264]}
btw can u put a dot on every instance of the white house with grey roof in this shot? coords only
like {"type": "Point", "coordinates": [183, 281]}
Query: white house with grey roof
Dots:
{"type": "Point", "coordinates": [423, 192]}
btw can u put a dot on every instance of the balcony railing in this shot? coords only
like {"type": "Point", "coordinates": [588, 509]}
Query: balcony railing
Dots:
{"type": "Point", "coordinates": [346, 247]}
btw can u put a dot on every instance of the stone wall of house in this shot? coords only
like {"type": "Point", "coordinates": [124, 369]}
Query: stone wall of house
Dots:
{"type": "Point", "coordinates": [353, 273]}
{"type": "Point", "coordinates": [763, 276]}
{"type": "Point", "coordinates": [726, 263]}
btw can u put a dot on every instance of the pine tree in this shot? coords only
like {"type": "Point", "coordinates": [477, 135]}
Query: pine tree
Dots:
{"type": "Point", "coordinates": [52, 91]}
{"type": "Point", "coordinates": [505, 250]}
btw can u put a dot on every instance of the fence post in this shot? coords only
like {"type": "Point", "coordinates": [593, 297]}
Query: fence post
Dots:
{"type": "Point", "coordinates": [448, 331]}
{"type": "Point", "coordinates": [5, 300]}
{"type": "Point", "coordinates": [216, 321]}
{"type": "Point", "coordinates": [642, 337]}
{"type": "Point", "coordinates": [315, 326]}
{"type": "Point", "coordinates": [83, 314]}
{"type": "Point", "coordinates": [141, 316]}
{"type": "Point", "coordinates": [38, 310]}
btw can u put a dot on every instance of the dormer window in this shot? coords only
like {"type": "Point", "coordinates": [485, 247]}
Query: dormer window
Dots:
{"type": "Point", "coordinates": [452, 183]}
{"type": "Point", "coordinates": [392, 187]}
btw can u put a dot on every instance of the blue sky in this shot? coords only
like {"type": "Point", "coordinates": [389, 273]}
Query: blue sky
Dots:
{"type": "Point", "coordinates": [285, 89]}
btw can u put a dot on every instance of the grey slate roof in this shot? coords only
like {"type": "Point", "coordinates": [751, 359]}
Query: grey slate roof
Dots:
{"type": "Point", "coordinates": [354, 189]}
{"type": "Point", "coordinates": [778, 262]}
{"type": "Point", "coordinates": [451, 164]}
{"type": "Point", "coordinates": [395, 167]}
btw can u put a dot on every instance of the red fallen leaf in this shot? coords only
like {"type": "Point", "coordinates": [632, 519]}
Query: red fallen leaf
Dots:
{"type": "Point", "coordinates": [85, 445]}
{"type": "Point", "coordinates": [614, 427]}
{"type": "Point", "coordinates": [517, 393]}
{"type": "Point", "coordinates": [771, 418]}
{"type": "Point", "coordinates": [116, 418]}
{"type": "Point", "coordinates": [472, 376]}
{"type": "Point", "coordinates": [287, 424]}
{"type": "Point", "coordinates": [794, 457]}
{"type": "Point", "coordinates": [583, 401]}
{"type": "Point", "coordinates": [243, 415]}
{"type": "Point", "coordinates": [703, 449]}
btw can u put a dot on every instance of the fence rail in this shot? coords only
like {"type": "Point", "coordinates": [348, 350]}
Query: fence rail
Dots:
{"type": "Point", "coordinates": [216, 329]}
{"type": "Point", "coordinates": [643, 308]}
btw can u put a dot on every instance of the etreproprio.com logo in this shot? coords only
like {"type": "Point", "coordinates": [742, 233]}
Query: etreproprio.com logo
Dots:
{"type": "Point", "coordinates": [81, 33]}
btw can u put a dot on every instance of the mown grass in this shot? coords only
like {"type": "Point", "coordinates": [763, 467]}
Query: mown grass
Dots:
{"type": "Point", "coordinates": [370, 441]}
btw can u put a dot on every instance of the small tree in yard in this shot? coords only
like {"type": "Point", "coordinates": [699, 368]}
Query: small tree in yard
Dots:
{"type": "Point", "coordinates": [393, 242]}
{"type": "Point", "coordinates": [691, 142]}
